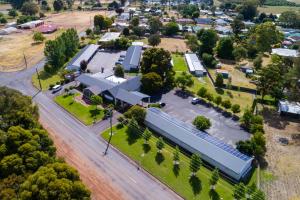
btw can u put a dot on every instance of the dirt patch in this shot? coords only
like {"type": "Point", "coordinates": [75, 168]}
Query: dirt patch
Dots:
{"type": "Point", "coordinates": [283, 160]}
{"type": "Point", "coordinates": [93, 179]}
{"type": "Point", "coordinates": [173, 44]}
{"type": "Point", "coordinates": [15, 46]}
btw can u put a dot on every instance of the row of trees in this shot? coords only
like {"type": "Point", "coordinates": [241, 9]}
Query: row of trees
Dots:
{"type": "Point", "coordinates": [28, 166]}
{"type": "Point", "coordinates": [58, 51]}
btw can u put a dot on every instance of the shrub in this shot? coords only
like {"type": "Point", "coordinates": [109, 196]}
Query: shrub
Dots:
{"type": "Point", "coordinates": [202, 92]}
{"type": "Point", "coordinates": [136, 112]}
{"type": "Point", "coordinates": [219, 80]}
{"type": "Point", "coordinates": [226, 104]}
{"type": "Point", "coordinates": [218, 100]}
{"type": "Point", "coordinates": [235, 108]}
{"type": "Point", "coordinates": [120, 125]}
{"type": "Point", "coordinates": [202, 123]}
{"type": "Point", "coordinates": [209, 96]}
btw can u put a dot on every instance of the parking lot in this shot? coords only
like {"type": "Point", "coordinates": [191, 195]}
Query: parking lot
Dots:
{"type": "Point", "coordinates": [105, 59]}
{"type": "Point", "coordinates": [222, 127]}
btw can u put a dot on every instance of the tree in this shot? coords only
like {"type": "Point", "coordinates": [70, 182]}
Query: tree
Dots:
{"type": "Point", "coordinates": [96, 100]}
{"type": "Point", "coordinates": [236, 108]}
{"type": "Point", "coordinates": [219, 80]}
{"type": "Point", "coordinates": [248, 9]}
{"type": "Point", "coordinates": [184, 80]}
{"type": "Point", "coordinates": [83, 65]}
{"type": "Point", "coordinates": [209, 60]}
{"type": "Point", "coordinates": [154, 40]}
{"type": "Point", "coordinates": [17, 4]}
{"type": "Point", "coordinates": [208, 39]}
{"type": "Point", "coordinates": [239, 53]}
{"type": "Point", "coordinates": [290, 19]}
{"type": "Point", "coordinates": [258, 195]}
{"type": "Point", "coordinates": [135, 21]}
{"type": "Point", "coordinates": [133, 127]}
{"type": "Point", "coordinates": [218, 100]}
{"type": "Point", "coordinates": [119, 11]}
{"type": "Point", "coordinates": [237, 26]}
{"type": "Point", "coordinates": [38, 37]}
{"type": "Point", "coordinates": [202, 92]}
{"type": "Point", "coordinates": [154, 24]}
{"type": "Point", "coordinates": [151, 83]}
{"type": "Point", "coordinates": [13, 13]}
{"type": "Point", "coordinates": [192, 43]}
{"type": "Point", "coordinates": [226, 104]}
{"type": "Point", "coordinates": [147, 135]}
{"type": "Point", "coordinates": [29, 8]}
{"type": "Point", "coordinates": [102, 22]}
{"type": "Point", "coordinates": [58, 5]}
{"type": "Point", "coordinates": [239, 191]}
{"type": "Point", "coordinates": [202, 123]}
{"type": "Point", "coordinates": [119, 71]}
{"type": "Point", "coordinates": [176, 157]}
{"type": "Point", "coordinates": [225, 48]}
{"type": "Point", "coordinates": [214, 178]}
{"type": "Point", "coordinates": [265, 35]}
{"type": "Point", "coordinates": [247, 118]}
{"type": "Point", "coordinates": [88, 31]}
{"type": "Point", "coordinates": [195, 14]}
{"type": "Point", "coordinates": [257, 62]}
{"type": "Point", "coordinates": [138, 31]}
{"type": "Point", "coordinates": [55, 52]}
{"type": "Point", "coordinates": [195, 163]}
{"type": "Point", "coordinates": [171, 28]}
{"type": "Point", "coordinates": [136, 112]}
{"type": "Point", "coordinates": [160, 144]}
{"type": "Point", "coordinates": [126, 31]}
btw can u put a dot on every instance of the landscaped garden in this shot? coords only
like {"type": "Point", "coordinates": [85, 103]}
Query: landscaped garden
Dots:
{"type": "Point", "coordinates": [85, 113]}
{"type": "Point", "coordinates": [161, 165]}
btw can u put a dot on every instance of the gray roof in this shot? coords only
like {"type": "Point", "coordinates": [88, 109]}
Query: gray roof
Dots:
{"type": "Point", "coordinates": [203, 20]}
{"type": "Point", "coordinates": [132, 58]}
{"type": "Point", "coordinates": [285, 52]}
{"type": "Point", "coordinates": [89, 81]}
{"type": "Point", "coordinates": [128, 97]}
{"type": "Point", "coordinates": [193, 62]}
{"type": "Point", "coordinates": [84, 54]}
{"type": "Point", "coordinates": [140, 94]}
{"type": "Point", "coordinates": [289, 107]}
{"type": "Point", "coordinates": [213, 150]}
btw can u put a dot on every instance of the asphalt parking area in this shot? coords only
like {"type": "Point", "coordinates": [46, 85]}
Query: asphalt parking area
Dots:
{"type": "Point", "coordinates": [223, 128]}
{"type": "Point", "coordinates": [105, 59]}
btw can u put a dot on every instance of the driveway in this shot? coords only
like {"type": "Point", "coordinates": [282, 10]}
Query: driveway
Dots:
{"type": "Point", "coordinates": [223, 128]}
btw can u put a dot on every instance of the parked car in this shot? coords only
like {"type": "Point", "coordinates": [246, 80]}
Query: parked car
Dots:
{"type": "Point", "coordinates": [56, 88]}
{"type": "Point", "coordinates": [118, 63]}
{"type": "Point", "coordinates": [162, 104]}
{"type": "Point", "coordinates": [195, 101]}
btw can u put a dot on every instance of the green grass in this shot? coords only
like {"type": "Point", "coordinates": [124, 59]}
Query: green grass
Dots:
{"type": "Point", "coordinates": [86, 114]}
{"type": "Point", "coordinates": [179, 63]}
{"type": "Point", "coordinates": [46, 79]}
{"type": "Point", "coordinates": [162, 167]}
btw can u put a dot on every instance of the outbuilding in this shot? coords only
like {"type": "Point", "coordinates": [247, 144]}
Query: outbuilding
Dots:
{"type": "Point", "coordinates": [132, 58]}
{"type": "Point", "coordinates": [287, 108]}
{"type": "Point", "coordinates": [194, 64]}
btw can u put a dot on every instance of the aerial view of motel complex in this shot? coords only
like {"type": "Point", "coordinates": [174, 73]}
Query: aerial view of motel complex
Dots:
{"type": "Point", "coordinates": [149, 99]}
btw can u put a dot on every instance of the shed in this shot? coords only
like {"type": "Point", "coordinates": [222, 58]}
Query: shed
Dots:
{"type": "Point", "coordinates": [224, 72]}
{"type": "Point", "coordinates": [288, 108]}
{"type": "Point", "coordinates": [285, 52]}
{"type": "Point", "coordinates": [109, 36]}
{"type": "Point", "coordinates": [9, 30]}
{"type": "Point", "coordinates": [194, 64]}
{"type": "Point", "coordinates": [215, 152]}
{"type": "Point", "coordinates": [206, 21]}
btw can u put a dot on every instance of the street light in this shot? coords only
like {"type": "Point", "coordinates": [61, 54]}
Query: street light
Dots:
{"type": "Point", "coordinates": [111, 133]}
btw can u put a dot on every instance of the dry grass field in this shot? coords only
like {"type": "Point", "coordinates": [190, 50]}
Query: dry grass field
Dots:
{"type": "Point", "coordinates": [173, 44]}
{"type": "Point", "coordinates": [13, 46]}
{"type": "Point", "coordinates": [283, 160]}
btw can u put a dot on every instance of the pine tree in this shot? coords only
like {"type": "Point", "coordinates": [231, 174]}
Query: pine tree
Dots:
{"type": "Point", "coordinates": [160, 144]}
{"type": "Point", "coordinates": [176, 157]}
{"type": "Point", "coordinates": [147, 135]}
{"type": "Point", "coordinates": [195, 163]}
{"type": "Point", "coordinates": [214, 178]}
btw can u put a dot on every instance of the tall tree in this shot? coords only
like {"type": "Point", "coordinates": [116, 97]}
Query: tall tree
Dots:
{"type": "Point", "coordinates": [160, 144]}
{"type": "Point", "coordinates": [239, 191]}
{"type": "Point", "coordinates": [147, 135]}
{"type": "Point", "coordinates": [154, 40]}
{"type": "Point", "coordinates": [29, 8]}
{"type": "Point", "coordinates": [176, 157]}
{"type": "Point", "coordinates": [237, 26]}
{"type": "Point", "coordinates": [96, 100]}
{"type": "Point", "coordinates": [208, 39]}
{"type": "Point", "coordinates": [214, 178]}
{"type": "Point", "coordinates": [248, 9]}
{"type": "Point", "coordinates": [171, 28]}
{"type": "Point", "coordinates": [225, 48]}
{"type": "Point", "coordinates": [58, 5]}
{"type": "Point", "coordinates": [154, 24]}
{"type": "Point", "coordinates": [195, 163]}
{"type": "Point", "coordinates": [151, 83]}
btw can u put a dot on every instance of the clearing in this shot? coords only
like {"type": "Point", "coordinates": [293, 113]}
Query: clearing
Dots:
{"type": "Point", "coordinates": [283, 160]}
{"type": "Point", "coordinates": [87, 114]}
{"type": "Point", "coordinates": [277, 9]}
{"type": "Point", "coordinates": [179, 64]}
{"type": "Point", "coordinates": [173, 44]}
{"type": "Point", "coordinates": [15, 46]}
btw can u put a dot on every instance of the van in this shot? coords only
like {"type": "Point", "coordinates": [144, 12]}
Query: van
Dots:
{"type": "Point", "coordinates": [56, 88]}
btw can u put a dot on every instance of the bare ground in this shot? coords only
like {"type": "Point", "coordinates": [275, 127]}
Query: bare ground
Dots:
{"type": "Point", "coordinates": [283, 160]}
{"type": "Point", "coordinates": [100, 188]}
{"type": "Point", "coordinates": [13, 46]}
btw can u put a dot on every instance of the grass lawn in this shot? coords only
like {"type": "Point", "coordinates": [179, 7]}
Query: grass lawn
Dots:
{"type": "Point", "coordinates": [242, 98]}
{"type": "Point", "coordinates": [179, 63]}
{"type": "Point", "coordinates": [85, 114]}
{"type": "Point", "coordinates": [162, 167]}
{"type": "Point", "coordinates": [46, 79]}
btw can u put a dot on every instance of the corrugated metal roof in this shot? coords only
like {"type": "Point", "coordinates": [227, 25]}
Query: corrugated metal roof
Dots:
{"type": "Point", "coordinates": [289, 107]}
{"type": "Point", "coordinates": [193, 62]}
{"type": "Point", "coordinates": [89, 81]}
{"type": "Point", "coordinates": [132, 58]}
{"type": "Point", "coordinates": [110, 36]}
{"type": "Point", "coordinates": [207, 145]}
{"type": "Point", "coordinates": [128, 97]}
{"type": "Point", "coordinates": [285, 52]}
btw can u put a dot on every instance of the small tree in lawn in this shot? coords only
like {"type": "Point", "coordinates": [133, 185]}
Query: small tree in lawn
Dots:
{"type": "Point", "coordinates": [184, 80]}
{"type": "Point", "coordinates": [154, 40]}
{"type": "Point", "coordinates": [219, 80]}
{"type": "Point", "coordinates": [133, 127]}
{"type": "Point", "coordinates": [38, 37]}
{"type": "Point", "coordinates": [160, 144]}
{"type": "Point", "coordinates": [147, 135]}
{"type": "Point", "coordinates": [214, 179]}
{"type": "Point", "coordinates": [218, 100]}
{"type": "Point", "coordinates": [202, 123]}
{"type": "Point", "coordinates": [226, 104]}
{"type": "Point", "coordinates": [83, 65]}
{"type": "Point", "coordinates": [176, 157]}
{"type": "Point", "coordinates": [96, 100]}
{"type": "Point", "coordinates": [239, 191]}
{"type": "Point", "coordinates": [236, 108]}
{"type": "Point", "coordinates": [195, 163]}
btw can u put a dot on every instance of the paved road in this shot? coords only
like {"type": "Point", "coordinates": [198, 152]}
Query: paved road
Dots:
{"type": "Point", "coordinates": [223, 128]}
{"type": "Point", "coordinates": [119, 172]}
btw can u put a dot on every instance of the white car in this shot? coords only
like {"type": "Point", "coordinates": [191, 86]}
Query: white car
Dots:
{"type": "Point", "coordinates": [195, 101]}
{"type": "Point", "coordinates": [56, 88]}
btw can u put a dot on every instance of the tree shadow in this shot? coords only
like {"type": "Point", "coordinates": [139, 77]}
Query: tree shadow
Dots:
{"type": "Point", "coordinates": [176, 169]}
{"type": "Point", "coordinates": [94, 112]}
{"type": "Point", "coordinates": [196, 184]}
{"type": "Point", "coordinates": [159, 158]}
{"type": "Point", "coordinates": [214, 195]}
{"type": "Point", "coordinates": [131, 137]}
{"type": "Point", "coordinates": [146, 148]}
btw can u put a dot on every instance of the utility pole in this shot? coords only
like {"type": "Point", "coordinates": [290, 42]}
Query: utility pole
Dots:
{"type": "Point", "coordinates": [38, 76]}
{"type": "Point", "coordinates": [110, 135]}
{"type": "Point", "coordinates": [25, 60]}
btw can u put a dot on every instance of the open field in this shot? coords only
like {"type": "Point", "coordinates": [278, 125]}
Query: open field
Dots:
{"type": "Point", "coordinates": [13, 46]}
{"type": "Point", "coordinates": [283, 160]}
{"type": "Point", "coordinates": [161, 167]}
{"type": "Point", "coordinates": [277, 9]}
{"type": "Point", "coordinates": [173, 44]}
{"type": "Point", "coordinates": [85, 113]}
